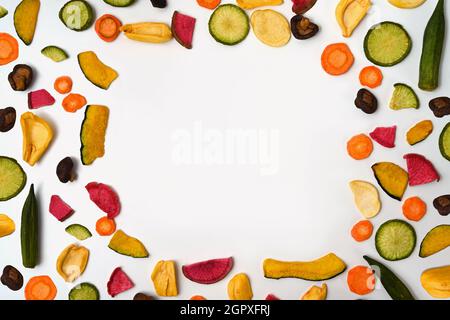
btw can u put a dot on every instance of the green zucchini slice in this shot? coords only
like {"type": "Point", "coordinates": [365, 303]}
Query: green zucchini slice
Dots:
{"type": "Point", "coordinates": [55, 53]}
{"type": "Point", "coordinates": [404, 97]}
{"type": "Point", "coordinates": [84, 291]}
{"type": "Point", "coordinates": [12, 178]}
{"type": "Point", "coordinates": [79, 231]}
{"type": "Point", "coordinates": [77, 15]}
{"type": "Point", "coordinates": [119, 3]}
{"type": "Point", "coordinates": [229, 24]}
{"type": "Point", "coordinates": [387, 44]}
{"type": "Point", "coordinates": [395, 240]}
{"type": "Point", "coordinates": [444, 142]}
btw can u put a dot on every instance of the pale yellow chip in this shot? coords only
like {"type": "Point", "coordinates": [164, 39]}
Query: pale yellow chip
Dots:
{"type": "Point", "coordinates": [271, 27]}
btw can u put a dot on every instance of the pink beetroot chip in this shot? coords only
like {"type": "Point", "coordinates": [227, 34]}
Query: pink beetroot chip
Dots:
{"type": "Point", "coordinates": [420, 170]}
{"type": "Point", "coordinates": [119, 282]}
{"type": "Point", "coordinates": [272, 297]}
{"type": "Point", "coordinates": [40, 98]}
{"type": "Point", "coordinates": [208, 272]}
{"type": "Point", "coordinates": [183, 29]}
{"type": "Point", "coordinates": [59, 209]}
{"type": "Point", "coordinates": [105, 198]}
{"type": "Point", "coordinates": [384, 136]}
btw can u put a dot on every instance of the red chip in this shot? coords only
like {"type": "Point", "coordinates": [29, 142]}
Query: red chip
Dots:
{"type": "Point", "coordinates": [119, 282]}
{"type": "Point", "coordinates": [272, 297]}
{"type": "Point", "coordinates": [420, 170]}
{"type": "Point", "coordinates": [59, 209]}
{"type": "Point", "coordinates": [384, 136]}
{"type": "Point", "coordinates": [208, 272]}
{"type": "Point", "coordinates": [105, 198]}
{"type": "Point", "coordinates": [183, 29]}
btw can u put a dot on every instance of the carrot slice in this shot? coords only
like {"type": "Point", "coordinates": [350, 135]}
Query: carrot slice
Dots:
{"type": "Point", "coordinates": [40, 288]}
{"type": "Point", "coordinates": [9, 48]}
{"type": "Point", "coordinates": [361, 280]}
{"type": "Point", "coordinates": [108, 27]}
{"type": "Point", "coordinates": [360, 147]}
{"type": "Point", "coordinates": [414, 208]}
{"type": "Point", "coordinates": [362, 230]}
{"type": "Point", "coordinates": [197, 298]}
{"type": "Point", "coordinates": [208, 4]}
{"type": "Point", "coordinates": [337, 59]}
{"type": "Point", "coordinates": [105, 226]}
{"type": "Point", "coordinates": [73, 102]}
{"type": "Point", "coordinates": [371, 77]}
{"type": "Point", "coordinates": [63, 84]}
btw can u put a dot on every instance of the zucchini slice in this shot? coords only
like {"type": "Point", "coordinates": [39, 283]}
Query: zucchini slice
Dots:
{"type": "Point", "coordinates": [395, 240]}
{"type": "Point", "coordinates": [229, 24]}
{"type": "Point", "coordinates": [84, 291]}
{"type": "Point", "coordinates": [387, 44]}
{"type": "Point", "coordinates": [55, 53]}
{"type": "Point", "coordinates": [444, 142]}
{"type": "Point", "coordinates": [12, 178]}
{"type": "Point", "coordinates": [79, 231]}
{"type": "Point", "coordinates": [119, 3]}
{"type": "Point", "coordinates": [77, 15]}
{"type": "Point", "coordinates": [25, 19]}
{"type": "Point", "coordinates": [404, 97]}
{"type": "Point", "coordinates": [96, 71]}
{"type": "Point", "coordinates": [93, 132]}
{"type": "Point", "coordinates": [437, 239]}
{"type": "Point", "coordinates": [3, 12]}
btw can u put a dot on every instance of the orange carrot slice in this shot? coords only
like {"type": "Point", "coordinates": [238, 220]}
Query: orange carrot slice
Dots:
{"type": "Point", "coordinates": [371, 77]}
{"type": "Point", "coordinates": [361, 280]}
{"type": "Point", "coordinates": [40, 288]}
{"type": "Point", "coordinates": [362, 230]}
{"type": "Point", "coordinates": [108, 27]}
{"type": "Point", "coordinates": [105, 226]}
{"type": "Point", "coordinates": [73, 102]}
{"type": "Point", "coordinates": [9, 48]}
{"type": "Point", "coordinates": [337, 59]}
{"type": "Point", "coordinates": [360, 147]}
{"type": "Point", "coordinates": [414, 208]}
{"type": "Point", "coordinates": [63, 84]}
{"type": "Point", "coordinates": [208, 4]}
{"type": "Point", "coordinates": [197, 298]}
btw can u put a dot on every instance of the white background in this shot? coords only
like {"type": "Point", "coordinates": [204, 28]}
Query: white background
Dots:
{"type": "Point", "coordinates": [193, 213]}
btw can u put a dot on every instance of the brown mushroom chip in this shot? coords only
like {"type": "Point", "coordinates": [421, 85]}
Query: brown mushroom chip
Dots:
{"type": "Point", "coordinates": [302, 28]}
{"type": "Point", "coordinates": [442, 204]}
{"type": "Point", "coordinates": [20, 78]}
{"type": "Point", "coordinates": [64, 170]}
{"type": "Point", "coordinates": [440, 106]}
{"type": "Point", "coordinates": [366, 101]}
{"type": "Point", "coordinates": [7, 119]}
{"type": "Point", "coordinates": [142, 296]}
{"type": "Point", "coordinates": [12, 278]}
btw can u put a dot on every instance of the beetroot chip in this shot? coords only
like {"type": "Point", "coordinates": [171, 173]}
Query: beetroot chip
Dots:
{"type": "Point", "coordinates": [119, 282]}
{"type": "Point", "coordinates": [384, 136]}
{"type": "Point", "coordinates": [420, 170]}
{"type": "Point", "coordinates": [40, 98]}
{"type": "Point", "coordinates": [271, 297]}
{"type": "Point", "coordinates": [208, 272]}
{"type": "Point", "coordinates": [183, 29]}
{"type": "Point", "coordinates": [59, 209]}
{"type": "Point", "coordinates": [105, 198]}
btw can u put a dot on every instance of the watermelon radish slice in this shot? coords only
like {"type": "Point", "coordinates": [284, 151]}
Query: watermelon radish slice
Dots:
{"type": "Point", "coordinates": [59, 209]}
{"type": "Point", "coordinates": [208, 272]}
{"type": "Point", "coordinates": [384, 136]}
{"type": "Point", "coordinates": [105, 198]}
{"type": "Point", "coordinates": [40, 98]}
{"type": "Point", "coordinates": [271, 297]}
{"type": "Point", "coordinates": [420, 170]}
{"type": "Point", "coordinates": [119, 282]}
{"type": "Point", "coordinates": [183, 29]}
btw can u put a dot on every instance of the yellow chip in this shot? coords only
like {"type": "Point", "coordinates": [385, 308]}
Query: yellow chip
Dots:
{"type": "Point", "coordinates": [271, 27]}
